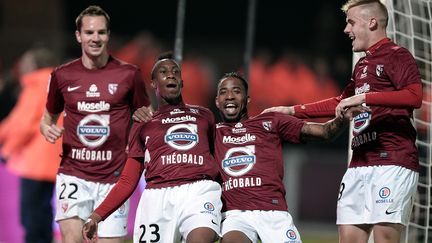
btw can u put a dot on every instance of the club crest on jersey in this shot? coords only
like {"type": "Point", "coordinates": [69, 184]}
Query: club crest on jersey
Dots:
{"type": "Point", "coordinates": [364, 73]}
{"type": "Point", "coordinates": [238, 128]}
{"type": "Point", "coordinates": [267, 125]}
{"type": "Point", "coordinates": [182, 136]}
{"type": "Point", "coordinates": [93, 91]}
{"type": "Point", "coordinates": [379, 69]}
{"type": "Point", "coordinates": [239, 160]}
{"type": "Point", "coordinates": [361, 122]}
{"type": "Point", "coordinates": [112, 88]}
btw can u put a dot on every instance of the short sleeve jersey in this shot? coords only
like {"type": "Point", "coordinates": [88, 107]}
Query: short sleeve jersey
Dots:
{"type": "Point", "coordinates": [175, 146]}
{"type": "Point", "coordinates": [249, 155]}
{"type": "Point", "coordinates": [385, 136]}
{"type": "Point", "coordinates": [97, 106]}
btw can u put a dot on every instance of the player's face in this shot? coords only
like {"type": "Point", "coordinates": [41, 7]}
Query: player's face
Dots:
{"type": "Point", "coordinates": [232, 100]}
{"type": "Point", "coordinates": [357, 29]}
{"type": "Point", "coordinates": [167, 80]}
{"type": "Point", "coordinates": [93, 36]}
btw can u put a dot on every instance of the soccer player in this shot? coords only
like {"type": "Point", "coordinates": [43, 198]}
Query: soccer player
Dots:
{"type": "Point", "coordinates": [249, 154]}
{"type": "Point", "coordinates": [378, 189]}
{"type": "Point", "coordinates": [181, 200]}
{"type": "Point", "coordinates": [97, 94]}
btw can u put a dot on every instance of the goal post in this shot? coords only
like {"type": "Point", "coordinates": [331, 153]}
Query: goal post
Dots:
{"type": "Point", "coordinates": [410, 26]}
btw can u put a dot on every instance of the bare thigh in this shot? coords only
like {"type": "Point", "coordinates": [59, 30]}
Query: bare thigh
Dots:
{"type": "Point", "coordinates": [354, 233]}
{"type": "Point", "coordinates": [387, 232]}
{"type": "Point", "coordinates": [235, 237]}
{"type": "Point", "coordinates": [201, 235]}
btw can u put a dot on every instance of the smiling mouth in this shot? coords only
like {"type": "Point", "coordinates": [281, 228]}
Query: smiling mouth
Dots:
{"type": "Point", "coordinates": [230, 108]}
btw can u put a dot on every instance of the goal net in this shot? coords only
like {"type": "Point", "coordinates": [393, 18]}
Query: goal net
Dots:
{"type": "Point", "coordinates": [410, 26]}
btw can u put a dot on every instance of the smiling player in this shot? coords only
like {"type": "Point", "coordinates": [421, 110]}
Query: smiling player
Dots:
{"type": "Point", "coordinates": [181, 199]}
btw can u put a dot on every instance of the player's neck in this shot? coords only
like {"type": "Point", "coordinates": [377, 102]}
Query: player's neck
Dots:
{"type": "Point", "coordinates": [95, 62]}
{"type": "Point", "coordinates": [169, 102]}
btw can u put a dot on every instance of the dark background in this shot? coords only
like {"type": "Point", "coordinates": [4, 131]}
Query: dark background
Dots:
{"type": "Point", "coordinates": [215, 30]}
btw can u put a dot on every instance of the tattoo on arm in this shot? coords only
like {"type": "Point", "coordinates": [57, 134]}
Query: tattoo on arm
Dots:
{"type": "Point", "coordinates": [313, 132]}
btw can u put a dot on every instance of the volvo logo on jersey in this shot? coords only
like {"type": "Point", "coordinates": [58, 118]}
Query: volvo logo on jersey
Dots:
{"type": "Point", "coordinates": [361, 122]}
{"type": "Point", "coordinates": [239, 160]}
{"type": "Point", "coordinates": [182, 136]}
{"type": "Point", "coordinates": [93, 130]}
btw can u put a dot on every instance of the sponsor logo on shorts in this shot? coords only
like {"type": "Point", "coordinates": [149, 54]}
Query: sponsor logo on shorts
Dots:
{"type": "Point", "coordinates": [209, 206]}
{"type": "Point", "coordinates": [292, 236]}
{"type": "Point", "coordinates": [121, 212]}
{"type": "Point", "coordinates": [213, 222]}
{"type": "Point", "coordinates": [384, 193]}
{"type": "Point", "coordinates": [389, 212]}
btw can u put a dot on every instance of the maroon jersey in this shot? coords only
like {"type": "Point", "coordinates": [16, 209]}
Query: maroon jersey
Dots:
{"type": "Point", "coordinates": [97, 105]}
{"type": "Point", "coordinates": [175, 146]}
{"type": "Point", "coordinates": [249, 154]}
{"type": "Point", "coordinates": [385, 136]}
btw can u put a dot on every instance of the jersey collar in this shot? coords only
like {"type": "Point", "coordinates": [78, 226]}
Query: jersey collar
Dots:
{"type": "Point", "coordinates": [377, 45]}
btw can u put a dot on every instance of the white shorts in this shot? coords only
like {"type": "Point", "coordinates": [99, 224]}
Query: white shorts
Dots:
{"type": "Point", "coordinates": [76, 197]}
{"type": "Point", "coordinates": [168, 214]}
{"type": "Point", "coordinates": [376, 194]}
{"type": "Point", "coordinates": [268, 226]}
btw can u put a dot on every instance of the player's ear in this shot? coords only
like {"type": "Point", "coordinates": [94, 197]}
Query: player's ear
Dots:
{"type": "Point", "coordinates": [153, 84]}
{"type": "Point", "coordinates": [373, 24]}
{"type": "Point", "coordinates": [78, 36]}
{"type": "Point", "coordinates": [248, 99]}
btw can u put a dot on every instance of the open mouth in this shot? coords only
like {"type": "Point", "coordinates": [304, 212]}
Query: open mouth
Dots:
{"type": "Point", "coordinates": [171, 85]}
{"type": "Point", "coordinates": [230, 107]}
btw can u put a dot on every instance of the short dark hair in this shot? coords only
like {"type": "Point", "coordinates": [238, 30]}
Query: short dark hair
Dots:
{"type": "Point", "coordinates": [92, 10]}
{"type": "Point", "coordinates": [238, 76]}
{"type": "Point", "coordinates": [169, 55]}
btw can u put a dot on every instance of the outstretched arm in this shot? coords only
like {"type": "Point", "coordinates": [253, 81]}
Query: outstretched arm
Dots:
{"type": "Point", "coordinates": [49, 128]}
{"type": "Point", "coordinates": [409, 97]}
{"type": "Point", "coordinates": [312, 131]}
{"type": "Point", "coordinates": [322, 108]}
